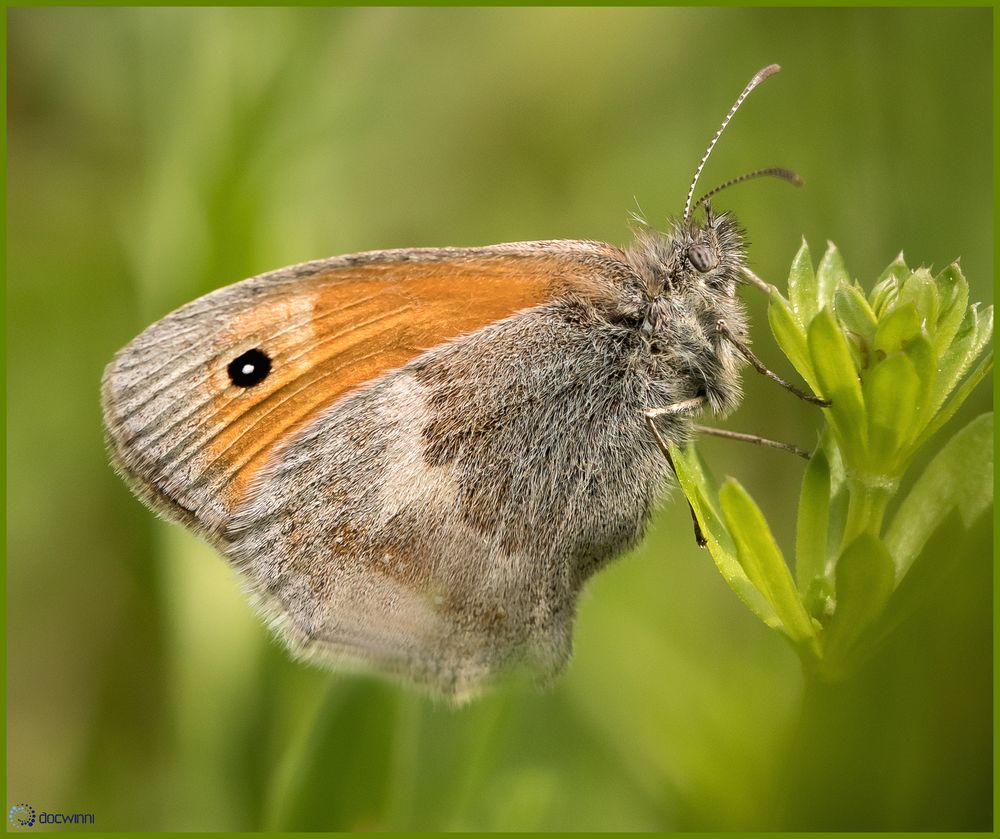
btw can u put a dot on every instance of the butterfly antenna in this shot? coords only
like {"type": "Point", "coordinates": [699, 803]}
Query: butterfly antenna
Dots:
{"type": "Point", "coordinates": [770, 70]}
{"type": "Point", "coordinates": [771, 172]}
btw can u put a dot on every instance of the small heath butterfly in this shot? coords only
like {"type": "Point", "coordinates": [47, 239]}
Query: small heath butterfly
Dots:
{"type": "Point", "coordinates": [416, 458]}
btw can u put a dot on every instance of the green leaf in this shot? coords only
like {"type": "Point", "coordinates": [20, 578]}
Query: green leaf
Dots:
{"type": "Point", "coordinates": [953, 292]}
{"type": "Point", "coordinates": [887, 366]}
{"type": "Point", "coordinates": [693, 475]}
{"type": "Point", "coordinates": [838, 496]}
{"type": "Point", "coordinates": [864, 580]}
{"type": "Point", "coordinates": [790, 335]}
{"type": "Point", "coordinates": [802, 286]}
{"type": "Point", "coordinates": [838, 379]}
{"type": "Point", "coordinates": [813, 521]}
{"type": "Point", "coordinates": [840, 500]}
{"type": "Point", "coordinates": [959, 397]}
{"type": "Point", "coordinates": [895, 272]}
{"type": "Point", "coordinates": [974, 333]}
{"type": "Point", "coordinates": [887, 286]}
{"type": "Point", "coordinates": [925, 364]}
{"type": "Point", "coordinates": [854, 313]}
{"type": "Point", "coordinates": [857, 318]}
{"type": "Point", "coordinates": [831, 275]}
{"type": "Point", "coordinates": [891, 390]}
{"type": "Point", "coordinates": [762, 561]}
{"type": "Point", "coordinates": [819, 599]}
{"type": "Point", "coordinates": [900, 326]}
{"type": "Point", "coordinates": [959, 477]}
{"type": "Point", "coordinates": [699, 492]}
{"type": "Point", "coordinates": [921, 290]}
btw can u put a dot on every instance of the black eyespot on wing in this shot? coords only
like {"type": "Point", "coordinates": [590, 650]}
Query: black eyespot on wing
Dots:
{"type": "Point", "coordinates": [249, 369]}
{"type": "Point", "coordinates": [702, 257]}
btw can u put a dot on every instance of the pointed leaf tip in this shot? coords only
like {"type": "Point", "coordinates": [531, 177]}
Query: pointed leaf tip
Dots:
{"type": "Point", "coordinates": [802, 286]}
{"type": "Point", "coordinates": [831, 274]}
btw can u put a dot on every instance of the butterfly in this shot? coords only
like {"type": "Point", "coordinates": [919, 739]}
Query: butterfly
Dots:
{"type": "Point", "coordinates": [416, 458]}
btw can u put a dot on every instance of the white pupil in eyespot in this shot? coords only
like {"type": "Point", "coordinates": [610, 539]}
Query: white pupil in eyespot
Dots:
{"type": "Point", "coordinates": [247, 369]}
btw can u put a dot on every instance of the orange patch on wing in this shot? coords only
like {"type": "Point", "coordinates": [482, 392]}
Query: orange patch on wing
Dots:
{"type": "Point", "coordinates": [345, 327]}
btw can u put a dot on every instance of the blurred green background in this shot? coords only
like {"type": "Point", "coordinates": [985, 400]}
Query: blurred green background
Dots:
{"type": "Point", "coordinates": [155, 154]}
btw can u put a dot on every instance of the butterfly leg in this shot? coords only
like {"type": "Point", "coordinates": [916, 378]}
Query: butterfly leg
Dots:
{"type": "Point", "coordinates": [686, 406]}
{"type": "Point", "coordinates": [752, 438]}
{"type": "Point", "coordinates": [759, 366]}
{"type": "Point", "coordinates": [757, 281]}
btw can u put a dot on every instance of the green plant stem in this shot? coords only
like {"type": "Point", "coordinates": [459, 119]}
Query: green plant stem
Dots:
{"type": "Point", "coordinates": [869, 498]}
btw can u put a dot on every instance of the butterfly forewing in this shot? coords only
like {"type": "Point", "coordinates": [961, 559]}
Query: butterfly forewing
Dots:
{"type": "Point", "coordinates": [192, 439]}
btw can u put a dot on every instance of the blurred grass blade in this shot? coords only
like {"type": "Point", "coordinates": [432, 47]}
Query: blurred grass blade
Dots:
{"type": "Point", "coordinates": [864, 581]}
{"type": "Point", "coordinates": [813, 521]}
{"type": "Point", "coordinates": [762, 561]}
{"type": "Point", "coordinates": [950, 544]}
{"type": "Point", "coordinates": [352, 738]}
{"type": "Point", "coordinates": [960, 477]}
{"type": "Point", "coordinates": [699, 492]}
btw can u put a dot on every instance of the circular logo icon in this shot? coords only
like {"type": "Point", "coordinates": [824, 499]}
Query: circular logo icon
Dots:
{"type": "Point", "coordinates": [21, 815]}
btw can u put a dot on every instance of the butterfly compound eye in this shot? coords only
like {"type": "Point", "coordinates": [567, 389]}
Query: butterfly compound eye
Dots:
{"type": "Point", "coordinates": [702, 258]}
{"type": "Point", "coordinates": [249, 369]}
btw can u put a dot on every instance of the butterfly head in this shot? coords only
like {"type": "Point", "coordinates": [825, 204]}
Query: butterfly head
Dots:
{"type": "Point", "coordinates": [701, 255]}
{"type": "Point", "coordinates": [704, 257]}
{"type": "Point", "coordinates": [686, 303]}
